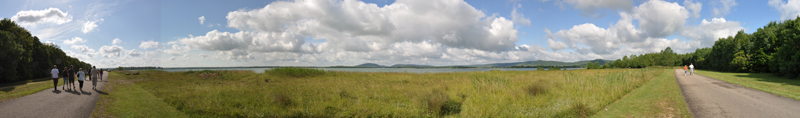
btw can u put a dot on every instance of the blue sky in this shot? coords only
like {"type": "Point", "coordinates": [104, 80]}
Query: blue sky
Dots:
{"type": "Point", "coordinates": [189, 33]}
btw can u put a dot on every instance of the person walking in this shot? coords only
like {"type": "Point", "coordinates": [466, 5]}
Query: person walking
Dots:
{"type": "Point", "coordinates": [94, 75]}
{"type": "Point", "coordinates": [89, 74]}
{"type": "Point", "coordinates": [684, 70]}
{"type": "Point", "coordinates": [691, 69]}
{"type": "Point", "coordinates": [81, 76]}
{"type": "Point", "coordinates": [101, 74]}
{"type": "Point", "coordinates": [65, 74]}
{"type": "Point", "coordinates": [72, 76]}
{"type": "Point", "coordinates": [54, 75]}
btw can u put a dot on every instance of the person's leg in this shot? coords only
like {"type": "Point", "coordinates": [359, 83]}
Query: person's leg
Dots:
{"type": "Point", "coordinates": [55, 83]}
{"type": "Point", "coordinates": [80, 85]}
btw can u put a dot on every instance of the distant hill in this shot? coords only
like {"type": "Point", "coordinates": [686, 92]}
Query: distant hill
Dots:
{"type": "Point", "coordinates": [370, 65]}
{"type": "Point", "coordinates": [409, 66]}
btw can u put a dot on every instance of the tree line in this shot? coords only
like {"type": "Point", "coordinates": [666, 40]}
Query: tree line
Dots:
{"type": "Point", "coordinates": [24, 57]}
{"type": "Point", "coordinates": [770, 49]}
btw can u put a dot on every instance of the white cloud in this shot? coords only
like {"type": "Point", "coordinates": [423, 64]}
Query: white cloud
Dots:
{"type": "Point", "coordinates": [789, 10]}
{"type": "Point", "coordinates": [111, 51]}
{"type": "Point", "coordinates": [660, 19]}
{"type": "Point", "coordinates": [556, 45]}
{"type": "Point", "coordinates": [75, 40]}
{"type": "Point", "coordinates": [710, 31]}
{"type": "Point", "coordinates": [519, 17]}
{"type": "Point", "coordinates": [695, 7]}
{"type": "Point", "coordinates": [82, 48]}
{"type": "Point", "coordinates": [723, 7]}
{"type": "Point", "coordinates": [589, 7]}
{"type": "Point", "coordinates": [49, 15]}
{"type": "Point", "coordinates": [202, 18]}
{"type": "Point", "coordinates": [354, 24]}
{"type": "Point", "coordinates": [116, 41]}
{"type": "Point", "coordinates": [89, 26]}
{"type": "Point", "coordinates": [133, 53]}
{"type": "Point", "coordinates": [149, 44]}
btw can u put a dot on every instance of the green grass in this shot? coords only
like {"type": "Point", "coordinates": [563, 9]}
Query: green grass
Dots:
{"type": "Point", "coordinates": [129, 100]}
{"type": "Point", "coordinates": [661, 97]}
{"type": "Point", "coordinates": [26, 88]}
{"type": "Point", "coordinates": [295, 71]}
{"type": "Point", "coordinates": [574, 93]}
{"type": "Point", "coordinates": [766, 82]}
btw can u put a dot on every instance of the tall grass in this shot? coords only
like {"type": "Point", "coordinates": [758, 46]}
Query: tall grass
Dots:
{"type": "Point", "coordinates": [295, 71]}
{"type": "Point", "coordinates": [574, 93]}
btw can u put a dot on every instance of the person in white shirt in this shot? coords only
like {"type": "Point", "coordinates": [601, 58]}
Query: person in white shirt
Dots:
{"type": "Point", "coordinates": [54, 75]}
{"type": "Point", "coordinates": [691, 67]}
{"type": "Point", "coordinates": [81, 77]}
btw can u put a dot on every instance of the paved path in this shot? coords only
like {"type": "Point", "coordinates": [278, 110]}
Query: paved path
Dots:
{"type": "Point", "coordinates": [712, 98]}
{"type": "Point", "coordinates": [55, 104]}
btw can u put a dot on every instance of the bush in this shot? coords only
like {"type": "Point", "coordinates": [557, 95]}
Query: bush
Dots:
{"type": "Point", "coordinates": [439, 102]}
{"type": "Point", "coordinates": [295, 71]}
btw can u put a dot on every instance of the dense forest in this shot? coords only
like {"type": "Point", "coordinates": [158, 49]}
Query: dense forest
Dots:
{"type": "Point", "coordinates": [771, 49]}
{"type": "Point", "coordinates": [24, 57]}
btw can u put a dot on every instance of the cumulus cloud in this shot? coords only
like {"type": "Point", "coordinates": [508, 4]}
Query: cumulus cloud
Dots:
{"type": "Point", "coordinates": [89, 26]}
{"type": "Point", "coordinates": [116, 41]}
{"type": "Point", "coordinates": [111, 51]}
{"type": "Point", "coordinates": [202, 18]}
{"type": "Point", "coordinates": [355, 26]}
{"type": "Point", "coordinates": [519, 18]}
{"type": "Point", "coordinates": [556, 45]}
{"type": "Point", "coordinates": [133, 53]}
{"type": "Point", "coordinates": [710, 31]}
{"type": "Point", "coordinates": [589, 7]}
{"type": "Point", "coordinates": [789, 10]}
{"type": "Point", "coordinates": [49, 15]}
{"type": "Point", "coordinates": [723, 7]}
{"type": "Point", "coordinates": [695, 7]}
{"type": "Point", "coordinates": [75, 40]}
{"type": "Point", "coordinates": [659, 18]}
{"type": "Point", "coordinates": [82, 48]}
{"type": "Point", "coordinates": [149, 44]}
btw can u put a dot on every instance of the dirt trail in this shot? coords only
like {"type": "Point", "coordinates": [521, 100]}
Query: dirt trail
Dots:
{"type": "Point", "coordinates": [59, 103]}
{"type": "Point", "coordinates": [712, 98]}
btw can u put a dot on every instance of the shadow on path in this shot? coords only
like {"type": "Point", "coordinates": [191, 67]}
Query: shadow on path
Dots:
{"type": "Point", "coordinates": [100, 91]}
{"type": "Point", "coordinates": [57, 91]}
{"type": "Point", "coordinates": [72, 91]}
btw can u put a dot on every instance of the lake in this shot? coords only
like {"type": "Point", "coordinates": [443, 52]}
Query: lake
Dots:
{"type": "Point", "coordinates": [408, 70]}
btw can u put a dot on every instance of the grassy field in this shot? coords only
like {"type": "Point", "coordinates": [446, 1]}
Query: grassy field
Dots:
{"type": "Point", "coordinates": [661, 97]}
{"type": "Point", "coordinates": [760, 81]}
{"type": "Point", "coordinates": [290, 93]}
{"type": "Point", "coordinates": [24, 88]}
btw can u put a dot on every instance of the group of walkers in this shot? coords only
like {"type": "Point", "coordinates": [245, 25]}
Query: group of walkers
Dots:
{"type": "Point", "coordinates": [690, 69]}
{"type": "Point", "coordinates": [69, 75]}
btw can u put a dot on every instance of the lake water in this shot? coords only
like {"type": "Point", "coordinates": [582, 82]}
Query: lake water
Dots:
{"type": "Point", "coordinates": [408, 70]}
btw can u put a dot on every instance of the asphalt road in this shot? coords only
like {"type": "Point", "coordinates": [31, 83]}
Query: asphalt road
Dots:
{"type": "Point", "coordinates": [712, 98]}
{"type": "Point", "coordinates": [52, 103]}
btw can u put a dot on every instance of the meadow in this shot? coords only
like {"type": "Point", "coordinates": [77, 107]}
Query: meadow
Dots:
{"type": "Point", "coordinates": [15, 90]}
{"type": "Point", "coordinates": [295, 92]}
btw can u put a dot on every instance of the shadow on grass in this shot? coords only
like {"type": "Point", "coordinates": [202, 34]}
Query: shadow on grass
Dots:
{"type": "Point", "coordinates": [764, 77]}
{"type": "Point", "coordinates": [7, 89]}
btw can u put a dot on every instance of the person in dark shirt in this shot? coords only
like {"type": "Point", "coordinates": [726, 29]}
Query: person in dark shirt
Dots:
{"type": "Point", "coordinates": [65, 74]}
{"type": "Point", "coordinates": [72, 76]}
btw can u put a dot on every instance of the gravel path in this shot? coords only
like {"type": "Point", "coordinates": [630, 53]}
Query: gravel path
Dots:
{"type": "Point", "coordinates": [55, 103]}
{"type": "Point", "coordinates": [712, 98]}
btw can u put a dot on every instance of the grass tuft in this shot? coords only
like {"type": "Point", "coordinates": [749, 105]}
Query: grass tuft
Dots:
{"type": "Point", "coordinates": [536, 88]}
{"type": "Point", "coordinates": [295, 71]}
{"type": "Point", "coordinates": [283, 100]}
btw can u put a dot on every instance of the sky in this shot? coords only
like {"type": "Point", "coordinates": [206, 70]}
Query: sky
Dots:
{"type": "Point", "coordinates": [200, 33]}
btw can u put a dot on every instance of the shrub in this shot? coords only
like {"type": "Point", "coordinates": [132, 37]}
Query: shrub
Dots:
{"type": "Point", "coordinates": [295, 71]}
{"type": "Point", "coordinates": [283, 100]}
